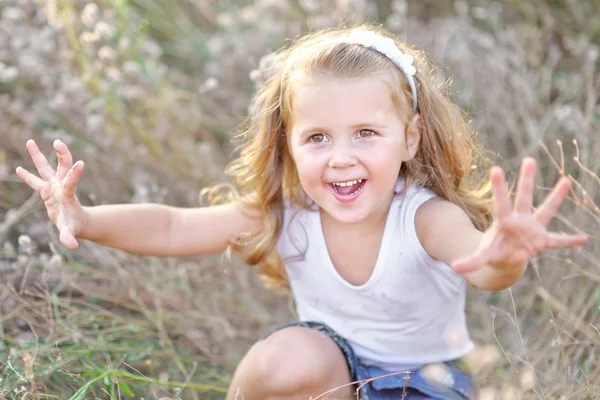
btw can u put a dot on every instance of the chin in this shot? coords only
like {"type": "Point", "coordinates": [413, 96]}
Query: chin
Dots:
{"type": "Point", "coordinates": [349, 216]}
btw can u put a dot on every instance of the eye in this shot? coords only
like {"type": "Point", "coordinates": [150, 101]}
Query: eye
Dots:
{"type": "Point", "coordinates": [365, 133]}
{"type": "Point", "coordinates": [318, 138]}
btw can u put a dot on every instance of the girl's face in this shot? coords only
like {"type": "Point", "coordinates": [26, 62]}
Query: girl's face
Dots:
{"type": "Point", "coordinates": [348, 143]}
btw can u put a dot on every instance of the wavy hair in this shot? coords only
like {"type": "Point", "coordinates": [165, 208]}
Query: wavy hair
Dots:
{"type": "Point", "coordinates": [447, 162]}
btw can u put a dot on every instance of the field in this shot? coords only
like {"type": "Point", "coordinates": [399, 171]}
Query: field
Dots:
{"type": "Point", "coordinates": [149, 93]}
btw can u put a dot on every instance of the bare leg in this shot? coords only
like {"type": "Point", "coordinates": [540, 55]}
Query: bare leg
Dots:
{"type": "Point", "coordinates": [293, 363]}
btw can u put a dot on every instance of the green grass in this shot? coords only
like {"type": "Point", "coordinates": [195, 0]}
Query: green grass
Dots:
{"type": "Point", "coordinates": [98, 323]}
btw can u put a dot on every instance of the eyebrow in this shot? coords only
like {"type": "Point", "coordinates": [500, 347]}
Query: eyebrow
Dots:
{"type": "Point", "coordinates": [371, 124]}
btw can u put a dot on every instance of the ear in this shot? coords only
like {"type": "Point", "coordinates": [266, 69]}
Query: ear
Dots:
{"type": "Point", "coordinates": [413, 136]}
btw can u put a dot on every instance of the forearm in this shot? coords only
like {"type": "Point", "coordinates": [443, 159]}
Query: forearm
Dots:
{"type": "Point", "coordinates": [494, 278]}
{"type": "Point", "coordinates": [142, 229]}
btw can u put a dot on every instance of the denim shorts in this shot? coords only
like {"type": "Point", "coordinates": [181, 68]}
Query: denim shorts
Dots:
{"type": "Point", "coordinates": [377, 384]}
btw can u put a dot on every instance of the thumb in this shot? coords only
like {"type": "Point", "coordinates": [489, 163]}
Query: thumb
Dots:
{"type": "Point", "coordinates": [67, 239]}
{"type": "Point", "coordinates": [469, 264]}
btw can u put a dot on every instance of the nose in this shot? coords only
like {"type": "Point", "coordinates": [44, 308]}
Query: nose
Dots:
{"type": "Point", "coordinates": [343, 155]}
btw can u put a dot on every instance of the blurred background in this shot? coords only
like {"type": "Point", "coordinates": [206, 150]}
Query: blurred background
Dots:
{"type": "Point", "coordinates": [149, 94]}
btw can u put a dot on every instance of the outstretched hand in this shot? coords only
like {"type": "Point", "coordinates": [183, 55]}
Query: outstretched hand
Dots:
{"type": "Point", "coordinates": [518, 232]}
{"type": "Point", "coordinates": [57, 189]}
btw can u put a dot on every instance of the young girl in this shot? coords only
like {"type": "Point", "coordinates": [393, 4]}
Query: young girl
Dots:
{"type": "Point", "coordinates": [356, 190]}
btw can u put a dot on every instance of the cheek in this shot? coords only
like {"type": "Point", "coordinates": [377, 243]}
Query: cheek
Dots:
{"type": "Point", "coordinates": [388, 152]}
{"type": "Point", "coordinates": [307, 164]}
{"type": "Point", "coordinates": [308, 169]}
{"type": "Point", "coordinates": [385, 161]}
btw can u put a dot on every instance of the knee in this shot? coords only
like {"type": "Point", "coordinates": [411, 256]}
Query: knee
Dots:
{"type": "Point", "coordinates": [299, 360]}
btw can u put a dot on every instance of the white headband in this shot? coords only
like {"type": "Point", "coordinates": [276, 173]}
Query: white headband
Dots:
{"type": "Point", "coordinates": [388, 48]}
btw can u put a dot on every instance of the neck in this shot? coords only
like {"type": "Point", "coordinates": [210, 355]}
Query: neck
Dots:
{"type": "Point", "coordinates": [375, 221]}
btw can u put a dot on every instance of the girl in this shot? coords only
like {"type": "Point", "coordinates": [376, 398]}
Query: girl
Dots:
{"type": "Point", "coordinates": [355, 189]}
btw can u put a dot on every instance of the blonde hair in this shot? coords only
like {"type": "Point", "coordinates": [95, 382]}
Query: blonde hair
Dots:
{"type": "Point", "coordinates": [265, 174]}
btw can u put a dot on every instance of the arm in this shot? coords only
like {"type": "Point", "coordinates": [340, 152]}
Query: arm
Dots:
{"type": "Point", "coordinates": [145, 229]}
{"type": "Point", "coordinates": [496, 258]}
{"type": "Point", "coordinates": [447, 234]}
{"type": "Point", "coordinates": [164, 231]}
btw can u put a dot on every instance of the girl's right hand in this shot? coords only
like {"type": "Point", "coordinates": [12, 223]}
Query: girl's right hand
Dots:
{"type": "Point", "coordinates": [57, 189]}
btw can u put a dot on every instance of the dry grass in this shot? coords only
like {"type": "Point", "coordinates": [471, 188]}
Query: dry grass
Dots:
{"type": "Point", "coordinates": [148, 93]}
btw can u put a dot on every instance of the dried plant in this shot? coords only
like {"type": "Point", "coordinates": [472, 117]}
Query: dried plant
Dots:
{"type": "Point", "coordinates": [149, 94]}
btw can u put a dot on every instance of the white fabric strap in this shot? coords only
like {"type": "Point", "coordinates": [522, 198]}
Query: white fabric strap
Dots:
{"type": "Point", "coordinates": [388, 48]}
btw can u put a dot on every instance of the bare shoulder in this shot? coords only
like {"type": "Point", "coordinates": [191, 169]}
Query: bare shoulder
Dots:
{"type": "Point", "coordinates": [437, 211]}
{"type": "Point", "coordinates": [444, 229]}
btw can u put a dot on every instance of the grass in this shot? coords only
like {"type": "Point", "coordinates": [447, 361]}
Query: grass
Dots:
{"type": "Point", "coordinates": [88, 333]}
{"type": "Point", "coordinates": [152, 123]}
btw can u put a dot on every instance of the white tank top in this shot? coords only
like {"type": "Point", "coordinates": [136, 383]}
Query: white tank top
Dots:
{"type": "Point", "coordinates": [410, 312]}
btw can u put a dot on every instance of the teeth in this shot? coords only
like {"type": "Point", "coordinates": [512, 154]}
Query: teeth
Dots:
{"type": "Point", "coordinates": [348, 183]}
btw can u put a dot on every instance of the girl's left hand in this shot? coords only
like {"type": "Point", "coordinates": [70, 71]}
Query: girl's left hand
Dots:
{"type": "Point", "coordinates": [519, 233]}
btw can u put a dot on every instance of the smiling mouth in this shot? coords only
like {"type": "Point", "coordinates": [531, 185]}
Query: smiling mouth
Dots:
{"type": "Point", "coordinates": [348, 188]}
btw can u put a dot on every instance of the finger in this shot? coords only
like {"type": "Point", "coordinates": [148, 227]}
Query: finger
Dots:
{"type": "Point", "coordinates": [562, 240]}
{"type": "Point", "coordinates": [501, 200]}
{"type": "Point", "coordinates": [525, 186]}
{"type": "Point", "coordinates": [65, 159]}
{"type": "Point", "coordinates": [470, 264]}
{"type": "Point", "coordinates": [67, 238]}
{"type": "Point", "coordinates": [72, 179]}
{"type": "Point", "coordinates": [549, 207]}
{"type": "Point", "coordinates": [30, 179]}
{"type": "Point", "coordinates": [41, 163]}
